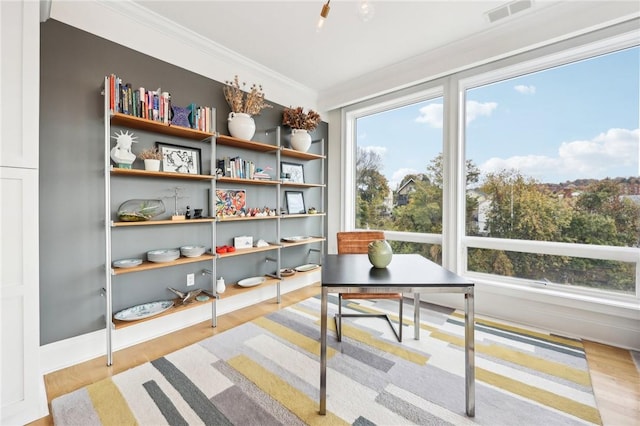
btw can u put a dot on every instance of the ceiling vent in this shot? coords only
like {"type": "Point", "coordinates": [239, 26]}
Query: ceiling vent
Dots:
{"type": "Point", "coordinates": [508, 9]}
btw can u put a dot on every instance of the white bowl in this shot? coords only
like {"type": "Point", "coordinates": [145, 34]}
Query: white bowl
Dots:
{"type": "Point", "coordinates": [163, 255]}
{"type": "Point", "coordinates": [192, 251]}
{"type": "Point", "coordinates": [251, 282]}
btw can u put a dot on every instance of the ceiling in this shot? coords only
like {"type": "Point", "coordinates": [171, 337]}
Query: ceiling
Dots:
{"type": "Point", "coordinates": [351, 59]}
{"type": "Point", "coordinates": [282, 35]}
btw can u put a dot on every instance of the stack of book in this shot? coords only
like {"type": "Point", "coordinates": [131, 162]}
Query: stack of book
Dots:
{"type": "Point", "coordinates": [154, 105]}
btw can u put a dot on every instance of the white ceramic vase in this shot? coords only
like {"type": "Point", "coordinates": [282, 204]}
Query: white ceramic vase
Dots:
{"type": "Point", "coordinates": [151, 164]}
{"type": "Point", "coordinates": [241, 125]}
{"type": "Point", "coordinates": [220, 285]}
{"type": "Point", "coordinates": [300, 140]}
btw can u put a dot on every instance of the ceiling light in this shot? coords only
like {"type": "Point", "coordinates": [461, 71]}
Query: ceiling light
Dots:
{"type": "Point", "coordinates": [323, 15]}
{"type": "Point", "coordinates": [366, 10]}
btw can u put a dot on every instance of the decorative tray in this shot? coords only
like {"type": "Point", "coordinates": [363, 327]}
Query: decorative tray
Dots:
{"type": "Point", "coordinates": [251, 282]}
{"type": "Point", "coordinates": [127, 263]}
{"type": "Point", "coordinates": [143, 311]}
{"type": "Point", "coordinates": [287, 272]}
{"type": "Point", "coordinates": [295, 239]}
{"type": "Point", "coordinates": [307, 267]}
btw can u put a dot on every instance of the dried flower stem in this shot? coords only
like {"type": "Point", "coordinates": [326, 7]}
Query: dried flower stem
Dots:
{"type": "Point", "coordinates": [239, 100]}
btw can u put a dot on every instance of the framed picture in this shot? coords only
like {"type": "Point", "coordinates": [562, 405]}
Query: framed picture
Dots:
{"type": "Point", "coordinates": [295, 202]}
{"type": "Point", "coordinates": [180, 159]}
{"type": "Point", "coordinates": [230, 202]}
{"type": "Point", "coordinates": [295, 172]}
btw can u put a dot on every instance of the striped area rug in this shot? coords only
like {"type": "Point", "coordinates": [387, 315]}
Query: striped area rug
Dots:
{"type": "Point", "coordinates": [266, 372]}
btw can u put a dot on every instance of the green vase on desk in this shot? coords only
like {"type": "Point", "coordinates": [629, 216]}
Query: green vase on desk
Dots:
{"type": "Point", "coordinates": [380, 253]}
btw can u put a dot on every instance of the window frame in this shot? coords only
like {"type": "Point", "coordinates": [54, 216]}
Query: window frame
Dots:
{"type": "Point", "coordinates": [455, 243]}
{"type": "Point", "coordinates": [425, 92]}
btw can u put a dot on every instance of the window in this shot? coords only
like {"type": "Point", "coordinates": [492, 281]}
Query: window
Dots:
{"type": "Point", "coordinates": [558, 157]}
{"type": "Point", "coordinates": [398, 174]}
{"type": "Point", "coordinates": [540, 171]}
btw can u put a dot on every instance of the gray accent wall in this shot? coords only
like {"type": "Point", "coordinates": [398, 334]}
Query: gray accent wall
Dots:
{"type": "Point", "coordinates": [73, 65]}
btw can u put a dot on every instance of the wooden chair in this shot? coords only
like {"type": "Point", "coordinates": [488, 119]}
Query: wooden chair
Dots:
{"type": "Point", "coordinates": [357, 242]}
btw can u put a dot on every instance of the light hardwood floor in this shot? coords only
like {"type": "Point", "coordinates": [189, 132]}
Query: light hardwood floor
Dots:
{"type": "Point", "coordinates": [615, 378]}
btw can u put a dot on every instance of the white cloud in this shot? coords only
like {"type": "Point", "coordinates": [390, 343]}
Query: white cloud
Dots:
{"type": "Point", "coordinates": [432, 115]}
{"type": "Point", "coordinates": [596, 158]}
{"type": "Point", "coordinates": [398, 175]}
{"type": "Point", "coordinates": [476, 109]}
{"type": "Point", "coordinates": [380, 150]}
{"type": "Point", "coordinates": [525, 90]}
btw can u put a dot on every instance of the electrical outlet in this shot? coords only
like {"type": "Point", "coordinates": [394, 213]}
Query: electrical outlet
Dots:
{"type": "Point", "coordinates": [191, 279]}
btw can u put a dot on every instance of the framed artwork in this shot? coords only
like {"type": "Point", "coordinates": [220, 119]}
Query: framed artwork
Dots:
{"type": "Point", "coordinates": [230, 202]}
{"type": "Point", "coordinates": [295, 202]}
{"type": "Point", "coordinates": [180, 159]}
{"type": "Point", "coordinates": [295, 172]}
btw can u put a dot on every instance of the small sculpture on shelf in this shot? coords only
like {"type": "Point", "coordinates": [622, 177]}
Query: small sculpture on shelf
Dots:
{"type": "Point", "coordinates": [186, 297]}
{"type": "Point", "coordinates": [121, 153]}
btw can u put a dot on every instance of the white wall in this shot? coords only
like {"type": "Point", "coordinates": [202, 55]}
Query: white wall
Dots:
{"type": "Point", "coordinates": [22, 388]}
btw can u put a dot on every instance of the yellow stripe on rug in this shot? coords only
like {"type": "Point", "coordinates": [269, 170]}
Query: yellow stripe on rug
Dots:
{"type": "Point", "coordinates": [550, 399]}
{"type": "Point", "coordinates": [109, 404]}
{"type": "Point", "coordinates": [300, 340]}
{"type": "Point", "coordinates": [556, 369]}
{"type": "Point", "coordinates": [500, 326]}
{"type": "Point", "coordinates": [297, 402]}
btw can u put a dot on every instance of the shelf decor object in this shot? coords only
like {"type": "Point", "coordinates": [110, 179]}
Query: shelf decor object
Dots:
{"type": "Point", "coordinates": [295, 202]}
{"type": "Point", "coordinates": [180, 159]}
{"type": "Point", "coordinates": [146, 310]}
{"type": "Point", "coordinates": [244, 105]}
{"type": "Point", "coordinates": [301, 124]}
{"type": "Point", "coordinates": [295, 171]}
{"type": "Point", "coordinates": [121, 153]}
{"type": "Point", "coordinates": [140, 210]}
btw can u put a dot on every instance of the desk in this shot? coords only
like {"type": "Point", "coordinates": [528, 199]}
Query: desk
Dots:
{"type": "Point", "coordinates": [407, 273]}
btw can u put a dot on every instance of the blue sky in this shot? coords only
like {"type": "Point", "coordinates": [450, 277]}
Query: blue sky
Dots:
{"type": "Point", "coordinates": [571, 122]}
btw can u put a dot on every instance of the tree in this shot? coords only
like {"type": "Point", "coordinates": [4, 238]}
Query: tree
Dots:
{"type": "Point", "coordinates": [372, 188]}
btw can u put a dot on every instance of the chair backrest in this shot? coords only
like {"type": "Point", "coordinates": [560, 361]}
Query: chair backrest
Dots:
{"type": "Point", "coordinates": [357, 242]}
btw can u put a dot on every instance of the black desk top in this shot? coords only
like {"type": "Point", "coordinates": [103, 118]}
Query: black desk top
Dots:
{"type": "Point", "coordinates": [404, 270]}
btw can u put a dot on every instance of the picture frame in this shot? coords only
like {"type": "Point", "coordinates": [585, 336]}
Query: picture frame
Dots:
{"type": "Point", "coordinates": [230, 202]}
{"type": "Point", "coordinates": [295, 171]}
{"type": "Point", "coordinates": [295, 202]}
{"type": "Point", "coordinates": [180, 159]}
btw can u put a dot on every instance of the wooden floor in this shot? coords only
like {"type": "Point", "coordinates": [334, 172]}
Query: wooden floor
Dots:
{"type": "Point", "coordinates": [615, 378]}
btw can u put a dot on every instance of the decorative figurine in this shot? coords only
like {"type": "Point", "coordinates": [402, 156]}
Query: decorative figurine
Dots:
{"type": "Point", "coordinates": [121, 153]}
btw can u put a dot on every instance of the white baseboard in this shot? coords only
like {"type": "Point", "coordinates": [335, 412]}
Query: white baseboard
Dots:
{"type": "Point", "coordinates": [589, 320]}
{"type": "Point", "coordinates": [65, 353]}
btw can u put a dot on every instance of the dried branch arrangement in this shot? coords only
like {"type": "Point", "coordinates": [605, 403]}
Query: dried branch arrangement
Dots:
{"type": "Point", "coordinates": [296, 118]}
{"type": "Point", "coordinates": [150, 154]}
{"type": "Point", "coordinates": [239, 100]}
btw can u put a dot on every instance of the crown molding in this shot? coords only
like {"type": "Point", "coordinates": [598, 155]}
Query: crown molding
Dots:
{"type": "Point", "coordinates": [175, 44]}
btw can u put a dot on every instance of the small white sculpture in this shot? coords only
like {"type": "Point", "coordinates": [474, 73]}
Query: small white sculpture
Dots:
{"type": "Point", "coordinates": [121, 153]}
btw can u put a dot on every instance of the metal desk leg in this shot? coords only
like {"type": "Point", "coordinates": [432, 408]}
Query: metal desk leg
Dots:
{"type": "Point", "coordinates": [416, 316]}
{"type": "Point", "coordinates": [469, 353]}
{"type": "Point", "coordinates": [323, 352]}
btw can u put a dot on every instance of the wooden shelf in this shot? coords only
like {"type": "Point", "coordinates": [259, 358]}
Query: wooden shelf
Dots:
{"type": "Point", "coordinates": [241, 252]}
{"type": "Point", "coordinates": [235, 289]}
{"type": "Point", "coordinates": [147, 266]}
{"type": "Point", "coordinates": [177, 307]}
{"type": "Point", "coordinates": [303, 185]}
{"type": "Point", "coordinates": [288, 152]}
{"type": "Point", "coordinates": [163, 222]}
{"type": "Point", "coordinates": [224, 179]}
{"type": "Point", "coordinates": [303, 242]}
{"type": "Point", "coordinates": [245, 144]}
{"type": "Point", "coordinates": [241, 218]}
{"type": "Point", "coordinates": [146, 173]}
{"type": "Point", "coordinates": [293, 216]}
{"type": "Point", "coordinates": [120, 119]}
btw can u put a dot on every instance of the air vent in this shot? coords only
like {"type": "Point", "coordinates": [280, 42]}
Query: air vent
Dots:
{"type": "Point", "coordinates": [508, 9]}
